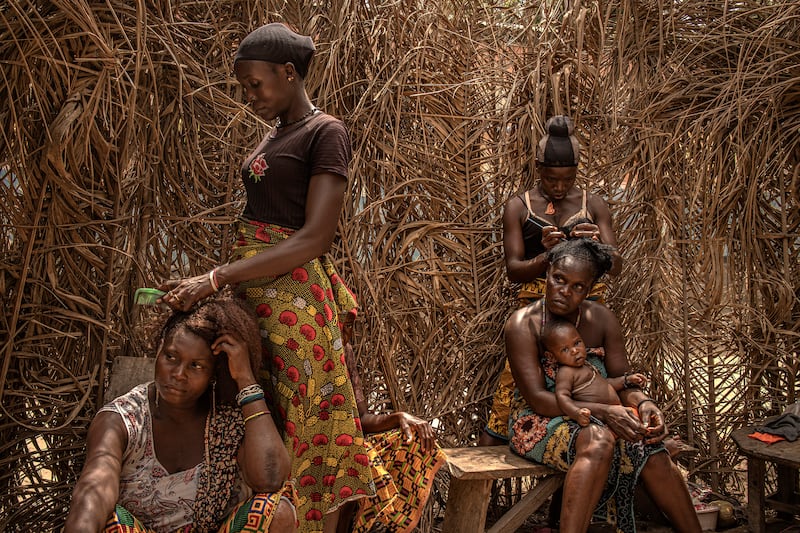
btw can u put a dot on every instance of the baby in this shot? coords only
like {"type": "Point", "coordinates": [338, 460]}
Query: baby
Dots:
{"type": "Point", "coordinates": [578, 380]}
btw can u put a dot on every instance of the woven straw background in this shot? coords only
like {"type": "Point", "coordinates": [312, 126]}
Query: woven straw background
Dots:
{"type": "Point", "coordinates": [122, 129]}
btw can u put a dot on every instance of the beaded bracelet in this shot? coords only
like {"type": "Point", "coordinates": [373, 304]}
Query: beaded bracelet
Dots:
{"type": "Point", "coordinates": [255, 415]}
{"type": "Point", "coordinates": [255, 388]}
{"type": "Point", "coordinates": [212, 279]}
{"type": "Point", "coordinates": [639, 405]}
{"type": "Point", "coordinates": [626, 385]}
{"type": "Point", "coordinates": [250, 399]}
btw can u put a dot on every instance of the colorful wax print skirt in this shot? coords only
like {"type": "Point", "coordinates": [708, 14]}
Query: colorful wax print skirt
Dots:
{"type": "Point", "coordinates": [251, 516]}
{"type": "Point", "coordinates": [404, 478]}
{"type": "Point", "coordinates": [551, 441]}
{"type": "Point", "coordinates": [298, 314]}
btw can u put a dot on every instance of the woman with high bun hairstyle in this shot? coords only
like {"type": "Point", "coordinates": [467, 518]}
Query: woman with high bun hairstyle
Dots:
{"type": "Point", "coordinates": [296, 182]}
{"type": "Point", "coordinates": [554, 210]}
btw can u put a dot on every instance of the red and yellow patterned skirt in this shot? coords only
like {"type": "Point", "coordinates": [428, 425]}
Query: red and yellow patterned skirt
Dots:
{"type": "Point", "coordinates": [298, 315]}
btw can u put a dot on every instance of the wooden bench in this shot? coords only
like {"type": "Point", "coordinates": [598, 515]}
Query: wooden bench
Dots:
{"type": "Point", "coordinates": [786, 457]}
{"type": "Point", "coordinates": [472, 471]}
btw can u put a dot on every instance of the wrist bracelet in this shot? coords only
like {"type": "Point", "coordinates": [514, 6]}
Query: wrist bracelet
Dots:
{"type": "Point", "coordinates": [639, 405]}
{"type": "Point", "coordinates": [212, 279]}
{"type": "Point", "coordinates": [250, 390]}
{"type": "Point", "coordinates": [255, 415]}
{"type": "Point", "coordinates": [250, 399]}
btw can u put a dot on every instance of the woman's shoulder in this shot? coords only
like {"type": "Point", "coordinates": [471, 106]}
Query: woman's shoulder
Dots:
{"type": "Point", "coordinates": [597, 313]}
{"type": "Point", "coordinates": [328, 123]}
{"type": "Point", "coordinates": [596, 202]}
{"type": "Point", "coordinates": [524, 318]}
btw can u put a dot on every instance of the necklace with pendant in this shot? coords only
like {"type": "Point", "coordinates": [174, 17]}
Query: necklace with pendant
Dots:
{"type": "Point", "coordinates": [550, 209]}
{"type": "Point", "coordinates": [280, 124]}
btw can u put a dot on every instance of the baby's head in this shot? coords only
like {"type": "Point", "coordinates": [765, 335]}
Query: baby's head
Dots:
{"type": "Point", "coordinates": [562, 342]}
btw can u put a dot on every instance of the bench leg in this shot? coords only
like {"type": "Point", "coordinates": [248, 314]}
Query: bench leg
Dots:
{"type": "Point", "coordinates": [755, 495]}
{"type": "Point", "coordinates": [467, 503]}
{"type": "Point", "coordinates": [516, 516]}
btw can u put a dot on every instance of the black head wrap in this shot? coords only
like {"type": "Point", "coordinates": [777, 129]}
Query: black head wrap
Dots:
{"type": "Point", "coordinates": [559, 147]}
{"type": "Point", "coordinates": [277, 44]}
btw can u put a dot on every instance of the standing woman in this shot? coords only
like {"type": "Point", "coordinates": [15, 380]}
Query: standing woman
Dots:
{"type": "Point", "coordinates": [295, 180]}
{"type": "Point", "coordinates": [554, 210]}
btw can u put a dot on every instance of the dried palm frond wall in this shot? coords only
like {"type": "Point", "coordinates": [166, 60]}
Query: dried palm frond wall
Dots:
{"type": "Point", "coordinates": [122, 129]}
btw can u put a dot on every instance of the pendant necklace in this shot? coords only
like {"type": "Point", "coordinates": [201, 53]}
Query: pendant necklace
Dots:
{"type": "Point", "coordinates": [280, 124]}
{"type": "Point", "coordinates": [550, 209]}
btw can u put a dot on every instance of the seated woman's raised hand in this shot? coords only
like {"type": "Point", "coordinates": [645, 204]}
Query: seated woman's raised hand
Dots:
{"type": "Point", "coordinates": [238, 358]}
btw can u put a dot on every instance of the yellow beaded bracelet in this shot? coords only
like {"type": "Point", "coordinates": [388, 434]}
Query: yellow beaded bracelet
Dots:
{"type": "Point", "coordinates": [255, 415]}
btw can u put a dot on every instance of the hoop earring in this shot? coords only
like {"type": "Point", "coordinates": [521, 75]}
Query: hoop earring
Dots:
{"type": "Point", "coordinates": [156, 389]}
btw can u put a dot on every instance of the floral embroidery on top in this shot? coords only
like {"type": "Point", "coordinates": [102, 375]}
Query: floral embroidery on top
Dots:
{"type": "Point", "coordinates": [258, 167]}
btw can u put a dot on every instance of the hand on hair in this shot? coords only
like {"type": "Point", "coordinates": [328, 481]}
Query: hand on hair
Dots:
{"type": "Point", "coordinates": [586, 230]}
{"type": "Point", "coordinates": [182, 294]}
{"type": "Point", "coordinates": [551, 236]}
{"type": "Point", "coordinates": [238, 358]}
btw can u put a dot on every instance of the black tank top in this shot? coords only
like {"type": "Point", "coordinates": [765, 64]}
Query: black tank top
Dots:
{"type": "Point", "coordinates": [533, 224]}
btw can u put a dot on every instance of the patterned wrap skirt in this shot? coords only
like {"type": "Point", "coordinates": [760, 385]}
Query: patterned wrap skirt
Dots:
{"type": "Point", "coordinates": [551, 441]}
{"type": "Point", "coordinates": [251, 516]}
{"type": "Point", "coordinates": [298, 314]}
{"type": "Point", "coordinates": [497, 425]}
{"type": "Point", "coordinates": [404, 478]}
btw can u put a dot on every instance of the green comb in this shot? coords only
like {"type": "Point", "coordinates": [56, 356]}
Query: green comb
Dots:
{"type": "Point", "coordinates": [147, 296]}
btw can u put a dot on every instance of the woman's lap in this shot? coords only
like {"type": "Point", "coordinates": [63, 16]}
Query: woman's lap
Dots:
{"type": "Point", "coordinates": [552, 442]}
{"type": "Point", "coordinates": [251, 516]}
{"type": "Point", "coordinates": [403, 475]}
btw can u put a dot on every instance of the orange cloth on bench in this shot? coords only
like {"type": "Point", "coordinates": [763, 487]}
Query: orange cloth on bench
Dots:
{"type": "Point", "coordinates": [766, 437]}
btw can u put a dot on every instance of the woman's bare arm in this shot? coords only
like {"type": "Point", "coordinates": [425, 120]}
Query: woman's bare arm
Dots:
{"type": "Point", "coordinates": [323, 207]}
{"type": "Point", "coordinates": [522, 350]}
{"type": "Point", "coordinates": [519, 269]}
{"type": "Point", "coordinates": [263, 458]}
{"type": "Point", "coordinates": [97, 490]}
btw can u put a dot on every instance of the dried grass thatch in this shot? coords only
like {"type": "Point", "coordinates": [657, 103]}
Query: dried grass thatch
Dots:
{"type": "Point", "coordinates": [123, 131]}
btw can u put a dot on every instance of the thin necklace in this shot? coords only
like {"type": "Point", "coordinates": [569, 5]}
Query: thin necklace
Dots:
{"type": "Point", "coordinates": [280, 124]}
{"type": "Point", "coordinates": [544, 313]}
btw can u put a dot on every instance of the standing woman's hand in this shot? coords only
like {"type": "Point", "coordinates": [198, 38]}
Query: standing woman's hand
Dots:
{"type": "Point", "coordinates": [182, 294]}
{"type": "Point", "coordinates": [551, 236]}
